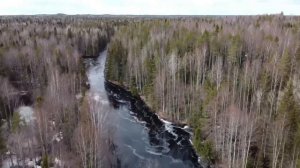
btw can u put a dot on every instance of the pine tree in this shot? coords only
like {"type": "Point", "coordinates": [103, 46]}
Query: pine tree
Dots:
{"type": "Point", "coordinates": [289, 108]}
{"type": "Point", "coordinates": [285, 67]}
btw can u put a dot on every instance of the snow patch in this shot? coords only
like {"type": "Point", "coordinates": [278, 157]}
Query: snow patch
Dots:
{"type": "Point", "coordinates": [57, 137]}
{"type": "Point", "coordinates": [139, 121]}
{"type": "Point", "coordinates": [58, 162]}
{"type": "Point", "coordinates": [153, 152]}
{"type": "Point", "coordinates": [26, 114]}
{"type": "Point", "coordinates": [78, 96]}
{"type": "Point", "coordinates": [9, 162]}
{"type": "Point", "coordinates": [99, 98]}
{"type": "Point", "coordinates": [169, 127]}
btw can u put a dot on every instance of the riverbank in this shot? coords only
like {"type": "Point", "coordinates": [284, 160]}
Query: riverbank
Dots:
{"type": "Point", "coordinates": [143, 98]}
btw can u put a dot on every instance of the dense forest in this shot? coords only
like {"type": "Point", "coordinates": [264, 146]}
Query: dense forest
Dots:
{"type": "Point", "coordinates": [41, 66]}
{"type": "Point", "coordinates": [234, 79]}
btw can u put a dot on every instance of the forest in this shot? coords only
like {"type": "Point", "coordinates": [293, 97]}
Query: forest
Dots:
{"type": "Point", "coordinates": [41, 65]}
{"type": "Point", "coordinates": [235, 80]}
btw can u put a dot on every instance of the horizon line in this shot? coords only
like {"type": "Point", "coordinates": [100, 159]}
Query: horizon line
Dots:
{"type": "Point", "coordinates": [53, 14]}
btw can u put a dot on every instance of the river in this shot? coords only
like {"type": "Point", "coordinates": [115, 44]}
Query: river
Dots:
{"type": "Point", "coordinates": [140, 137]}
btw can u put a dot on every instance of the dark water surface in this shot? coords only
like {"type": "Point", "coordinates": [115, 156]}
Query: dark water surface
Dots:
{"type": "Point", "coordinates": [141, 138]}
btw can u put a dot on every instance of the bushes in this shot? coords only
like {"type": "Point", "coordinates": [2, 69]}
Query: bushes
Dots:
{"type": "Point", "coordinates": [45, 162]}
{"type": "Point", "coordinates": [116, 62]}
{"type": "Point", "coordinates": [16, 122]}
{"type": "Point", "coordinates": [289, 110]}
{"type": "Point", "coordinates": [2, 142]}
{"type": "Point", "coordinates": [204, 147]}
{"type": "Point", "coordinates": [206, 150]}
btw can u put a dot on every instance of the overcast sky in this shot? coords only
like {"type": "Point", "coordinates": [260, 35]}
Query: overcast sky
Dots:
{"type": "Point", "coordinates": [150, 7]}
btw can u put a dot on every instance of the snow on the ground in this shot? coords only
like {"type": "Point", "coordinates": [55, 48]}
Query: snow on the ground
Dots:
{"type": "Point", "coordinates": [78, 96]}
{"type": "Point", "coordinates": [57, 137]}
{"type": "Point", "coordinates": [7, 163]}
{"type": "Point", "coordinates": [99, 98]}
{"type": "Point", "coordinates": [58, 162]}
{"type": "Point", "coordinates": [26, 113]}
{"type": "Point", "coordinates": [169, 127]}
{"type": "Point", "coordinates": [32, 163]}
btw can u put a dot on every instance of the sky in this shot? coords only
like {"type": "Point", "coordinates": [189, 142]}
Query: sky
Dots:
{"type": "Point", "coordinates": [150, 7]}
